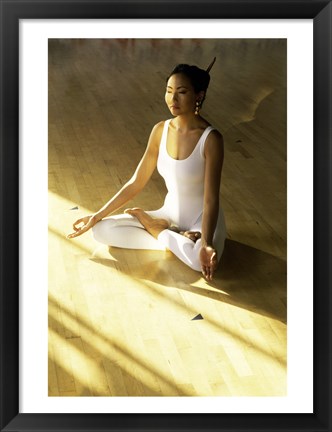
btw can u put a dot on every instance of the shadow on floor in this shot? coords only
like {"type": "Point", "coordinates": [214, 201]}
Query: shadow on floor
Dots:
{"type": "Point", "coordinates": [247, 277]}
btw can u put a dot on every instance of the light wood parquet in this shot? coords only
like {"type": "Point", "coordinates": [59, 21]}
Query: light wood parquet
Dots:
{"type": "Point", "coordinates": [120, 321]}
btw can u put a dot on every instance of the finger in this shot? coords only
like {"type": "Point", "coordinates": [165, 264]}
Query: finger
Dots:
{"type": "Point", "coordinates": [81, 230]}
{"type": "Point", "coordinates": [77, 232]}
{"type": "Point", "coordinates": [213, 256]}
{"type": "Point", "coordinates": [209, 273]}
{"type": "Point", "coordinates": [74, 234]}
{"type": "Point", "coordinates": [78, 222]}
{"type": "Point", "coordinates": [205, 271]}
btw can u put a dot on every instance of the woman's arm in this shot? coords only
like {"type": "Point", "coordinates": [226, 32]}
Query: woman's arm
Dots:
{"type": "Point", "coordinates": [137, 182]}
{"type": "Point", "coordinates": [140, 177]}
{"type": "Point", "coordinates": [214, 157]}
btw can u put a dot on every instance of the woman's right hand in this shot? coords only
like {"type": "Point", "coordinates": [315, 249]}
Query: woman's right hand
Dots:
{"type": "Point", "coordinates": [83, 225]}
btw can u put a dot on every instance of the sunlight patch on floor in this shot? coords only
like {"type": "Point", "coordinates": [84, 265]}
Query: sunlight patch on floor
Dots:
{"type": "Point", "coordinates": [88, 351]}
{"type": "Point", "coordinates": [121, 321]}
{"type": "Point", "coordinates": [61, 219]}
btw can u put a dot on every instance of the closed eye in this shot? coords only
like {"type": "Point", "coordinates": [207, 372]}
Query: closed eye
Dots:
{"type": "Point", "coordinates": [180, 92]}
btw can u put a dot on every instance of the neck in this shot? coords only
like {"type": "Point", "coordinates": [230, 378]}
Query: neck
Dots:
{"type": "Point", "coordinates": [186, 122]}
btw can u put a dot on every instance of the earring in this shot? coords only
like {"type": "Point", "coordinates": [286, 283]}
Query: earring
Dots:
{"type": "Point", "coordinates": [198, 105]}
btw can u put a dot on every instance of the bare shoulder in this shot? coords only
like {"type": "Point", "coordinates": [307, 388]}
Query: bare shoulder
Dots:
{"type": "Point", "coordinates": [215, 135]}
{"type": "Point", "coordinates": [156, 133]}
{"type": "Point", "coordinates": [158, 128]}
{"type": "Point", "coordinates": [214, 144]}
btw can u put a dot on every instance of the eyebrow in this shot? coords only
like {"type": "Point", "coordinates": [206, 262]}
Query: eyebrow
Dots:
{"type": "Point", "coordinates": [178, 87]}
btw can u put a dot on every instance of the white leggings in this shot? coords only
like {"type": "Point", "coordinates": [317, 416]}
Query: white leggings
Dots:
{"type": "Point", "coordinates": [125, 231]}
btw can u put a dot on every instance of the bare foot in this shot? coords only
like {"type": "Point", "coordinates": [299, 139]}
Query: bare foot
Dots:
{"type": "Point", "coordinates": [209, 261]}
{"type": "Point", "coordinates": [153, 225]}
{"type": "Point", "coordinates": [192, 235]}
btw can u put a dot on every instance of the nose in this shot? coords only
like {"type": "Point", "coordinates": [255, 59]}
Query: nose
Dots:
{"type": "Point", "coordinates": [174, 97]}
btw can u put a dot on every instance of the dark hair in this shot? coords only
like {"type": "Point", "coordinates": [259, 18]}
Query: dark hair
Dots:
{"type": "Point", "coordinates": [199, 78]}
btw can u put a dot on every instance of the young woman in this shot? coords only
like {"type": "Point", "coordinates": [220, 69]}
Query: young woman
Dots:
{"type": "Point", "coordinates": [188, 153]}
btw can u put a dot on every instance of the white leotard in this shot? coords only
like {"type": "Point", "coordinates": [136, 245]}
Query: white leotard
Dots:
{"type": "Point", "coordinates": [184, 180]}
{"type": "Point", "coordinates": [183, 207]}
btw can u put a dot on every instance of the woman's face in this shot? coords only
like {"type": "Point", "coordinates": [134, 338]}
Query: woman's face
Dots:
{"type": "Point", "coordinates": [180, 95]}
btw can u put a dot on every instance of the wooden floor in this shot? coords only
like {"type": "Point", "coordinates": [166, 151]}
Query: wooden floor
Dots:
{"type": "Point", "coordinates": [121, 321]}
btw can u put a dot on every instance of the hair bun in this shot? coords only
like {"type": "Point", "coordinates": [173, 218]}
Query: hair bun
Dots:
{"type": "Point", "coordinates": [199, 78]}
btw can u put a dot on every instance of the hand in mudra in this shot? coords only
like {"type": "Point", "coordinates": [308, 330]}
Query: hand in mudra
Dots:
{"type": "Point", "coordinates": [83, 225]}
{"type": "Point", "coordinates": [209, 261]}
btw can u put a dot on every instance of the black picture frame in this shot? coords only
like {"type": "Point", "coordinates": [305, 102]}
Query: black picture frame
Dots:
{"type": "Point", "coordinates": [14, 10]}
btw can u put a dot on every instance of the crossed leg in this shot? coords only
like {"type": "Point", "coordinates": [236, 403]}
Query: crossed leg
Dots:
{"type": "Point", "coordinates": [155, 225]}
{"type": "Point", "coordinates": [137, 229]}
{"type": "Point", "coordinates": [200, 259]}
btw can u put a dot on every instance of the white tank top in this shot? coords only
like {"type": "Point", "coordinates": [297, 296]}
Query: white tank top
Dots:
{"type": "Point", "coordinates": [184, 180]}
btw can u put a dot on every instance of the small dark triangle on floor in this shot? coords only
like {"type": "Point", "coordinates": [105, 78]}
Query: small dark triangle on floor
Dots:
{"type": "Point", "coordinates": [74, 208]}
{"type": "Point", "coordinates": [197, 317]}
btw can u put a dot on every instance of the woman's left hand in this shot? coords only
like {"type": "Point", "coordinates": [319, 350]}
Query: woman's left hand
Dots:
{"type": "Point", "coordinates": [209, 261]}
